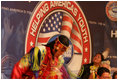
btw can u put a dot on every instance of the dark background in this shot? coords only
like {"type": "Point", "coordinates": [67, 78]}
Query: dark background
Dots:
{"type": "Point", "coordinates": [14, 27]}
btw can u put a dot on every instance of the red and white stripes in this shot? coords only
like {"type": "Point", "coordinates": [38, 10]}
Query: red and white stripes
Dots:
{"type": "Point", "coordinates": [72, 32]}
{"type": "Point", "coordinates": [76, 39]}
{"type": "Point", "coordinates": [66, 25]}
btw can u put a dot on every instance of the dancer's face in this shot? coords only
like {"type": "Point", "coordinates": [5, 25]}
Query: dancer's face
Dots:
{"type": "Point", "coordinates": [59, 48]}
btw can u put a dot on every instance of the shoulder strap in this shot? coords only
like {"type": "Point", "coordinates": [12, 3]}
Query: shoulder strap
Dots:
{"type": "Point", "coordinates": [37, 56]}
{"type": "Point", "coordinates": [43, 53]}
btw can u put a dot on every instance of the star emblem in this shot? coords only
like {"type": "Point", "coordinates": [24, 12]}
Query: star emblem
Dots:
{"type": "Point", "coordinates": [31, 43]}
{"type": "Point", "coordinates": [85, 60]}
{"type": "Point", "coordinates": [86, 49]}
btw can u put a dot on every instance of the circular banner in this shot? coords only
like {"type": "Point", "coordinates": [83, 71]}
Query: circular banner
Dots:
{"type": "Point", "coordinates": [51, 18]}
{"type": "Point", "coordinates": [111, 10]}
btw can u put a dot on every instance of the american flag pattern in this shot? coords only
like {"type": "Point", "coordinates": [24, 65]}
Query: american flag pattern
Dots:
{"type": "Point", "coordinates": [51, 27]}
{"type": "Point", "coordinates": [66, 25]}
{"type": "Point", "coordinates": [59, 22]}
{"type": "Point", "coordinates": [76, 39]}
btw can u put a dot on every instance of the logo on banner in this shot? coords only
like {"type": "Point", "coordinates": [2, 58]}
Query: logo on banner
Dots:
{"type": "Point", "coordinates": [7, 63]}
{"type": "Point", "coordinates": [111, 10]}
{"type": "Point", "coordinates": [52, 18]}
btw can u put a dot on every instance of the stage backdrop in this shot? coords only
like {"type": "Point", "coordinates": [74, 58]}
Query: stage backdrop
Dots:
{"type": "Point", "coordinates": [14, 24]}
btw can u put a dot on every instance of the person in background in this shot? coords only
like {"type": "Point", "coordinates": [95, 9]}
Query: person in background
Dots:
{"type": "Point", "coordinates": [106, 64]}
{"type": "Point", "coordinates": [90, 70]}
{"type": "Point", "coordinates": [42, 62]}
{"type": "Point", "coordinates": [114, 75]}
{"type": "Point", "coordinates": [103, 73]}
